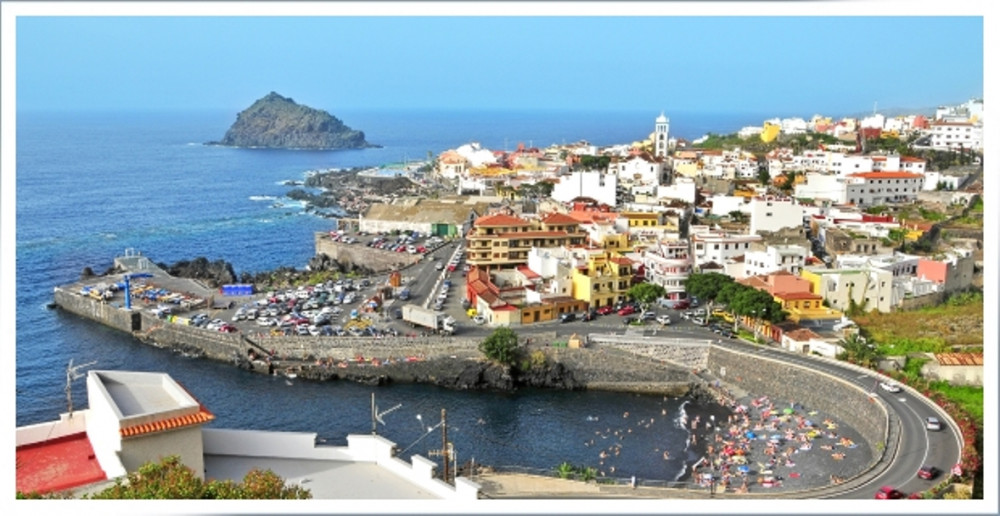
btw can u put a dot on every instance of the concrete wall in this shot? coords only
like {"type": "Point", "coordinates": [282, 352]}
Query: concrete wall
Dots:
{"type": "Point", "coordinates": [375, 259]}
{"type": "Point", "coordinates": [213, 344]}
{"type": "Point", "coordinates": [105, 313]}
{"type": "Point", "coordinates": [812, 389]}
{"type": "Point", "coordinates": [184, 442]}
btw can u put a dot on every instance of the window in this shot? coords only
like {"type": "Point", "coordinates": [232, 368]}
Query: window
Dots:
{"type": "Point", "coordinates": [716, 247]}
{"type": "Point", "coordinates": [768, 214]}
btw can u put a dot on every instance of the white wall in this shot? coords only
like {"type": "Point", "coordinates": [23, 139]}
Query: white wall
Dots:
{"type": "Point", "coordinates": [683, 188]}
{"type": "Point", "coordinates": [596, 185]}
{"type": "Point", "coordinates": [774, 214]}
{"type": "Point", "coordinates": [821, 186]}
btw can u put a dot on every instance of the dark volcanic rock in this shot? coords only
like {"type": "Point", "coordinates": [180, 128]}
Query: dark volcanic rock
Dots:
{"type": "Point", "coordinates": [217, 273]}
{"type": "Point", "coordinates": [278, 122]}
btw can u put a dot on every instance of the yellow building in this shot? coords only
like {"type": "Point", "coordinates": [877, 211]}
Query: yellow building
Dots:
{"type": "Point", "coordinates": [805, 306]}
{"type": "Point", "coordinates": [770, 132]}
{"type": "Point", "coordinates": [505, 241]}
{"type": "Point", "coordinates": [604, 280]}
{"type": "Point", "coordinates": [640, 219]}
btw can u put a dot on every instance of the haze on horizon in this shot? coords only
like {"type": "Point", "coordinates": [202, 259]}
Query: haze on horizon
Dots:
{"type": "Point", "coordinates": [788, 66]}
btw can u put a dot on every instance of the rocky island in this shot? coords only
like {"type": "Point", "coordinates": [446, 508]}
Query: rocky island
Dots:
{"type": "Point", "coordinates": [279, 123]}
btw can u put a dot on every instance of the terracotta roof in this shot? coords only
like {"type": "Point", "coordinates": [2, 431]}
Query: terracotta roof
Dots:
{"type": "Point", "coordinates": [802, 334]}
{"type": "Point", "coordinates": [959, 359]}
{"type": "Point", "coordinates": [621, 260]}
{"type": "Point", "coordinates": [878, 158]}
{"type": "Point", "coordinates": [788, 296]}
{"type": "Point", "coordinates": [198, 418]}
{"type": "Point", "coordinates": [501, 220]}
{"type": "Point", "coordinates": [533, 234]}
{"type": "Point", "coordinates": [911, 158]}
{"type": "Point", "coordinates": [559, 218]}
{"type": "Point", "coordinates": [886, 175]}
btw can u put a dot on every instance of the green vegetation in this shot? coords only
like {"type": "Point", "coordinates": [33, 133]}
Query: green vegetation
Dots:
{"type": "Point", "coordinates": [968, 397]}
{"type": "Point", "coordinates": [565, 470]}
{"type": "Point", "coordinates": [169, 479]}
{"type": "Point", "coordinates": [893, 346]}
{"type": "Point", "coordinates": [537, 360]}
{"type": "Point", "coordinates": [912, 368]}
{"type": "Point", "coordinates": [931, 215]}
{"type": "Point", "coordinates": [646, 293]}
{"type": "Point", "coordinates": [978, 205]}
{"type": "Point", "coordinates": [859, 351]}
{"type": "Point", "coordinates": [501, 346]}
{"type": "Point", "coordinates": [741, 300]}
{"type": "Point", "coordinates": [958, 322]}
{"type": "Point", "coordinates": [876, 210]}
{"type": "Point", "coordinates": [568, 471]}
{"type": "Point", "coordinates": [594, 162]}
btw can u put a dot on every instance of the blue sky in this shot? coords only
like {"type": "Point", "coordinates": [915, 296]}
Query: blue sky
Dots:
{"type": "Point", "coordinates": [785, 65]}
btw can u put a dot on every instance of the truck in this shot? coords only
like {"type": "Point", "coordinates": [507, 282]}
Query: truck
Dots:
{"type": "Point", "coordinates": [420, 316]}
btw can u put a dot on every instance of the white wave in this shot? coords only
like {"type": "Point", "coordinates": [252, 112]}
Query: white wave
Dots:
{"type": "Point", "coordinates": [109, 236]}
{"type": "Point", "coordinates": [262, 197]}
{"type": "Point", "coordinates": [265, 221]}
{"type": "Point", "coordinates": [682, 418]}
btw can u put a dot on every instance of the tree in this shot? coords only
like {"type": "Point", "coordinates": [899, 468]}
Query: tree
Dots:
{"type": "Point", "coordinates": [646, 293]}
{"type": "Point", "coordinates": [500, 346]}
{"type": "Point", "coordinates": [763, 175]}
{"type": "Point", "coordinates": [706, 287]}
{"type": "Point", "coordinates": [169, 479]}
{"type": "Point", "coordinates": [859, 351]}
{"type": "Point", "coordinates": [737, 216]}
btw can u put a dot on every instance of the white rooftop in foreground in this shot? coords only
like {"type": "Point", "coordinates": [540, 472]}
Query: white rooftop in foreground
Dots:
{"type": "Point", "coordinates": [326, 479]}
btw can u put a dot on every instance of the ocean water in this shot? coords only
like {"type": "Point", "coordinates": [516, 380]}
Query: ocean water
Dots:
{"type": "Point", "coordinates": [90, 185]}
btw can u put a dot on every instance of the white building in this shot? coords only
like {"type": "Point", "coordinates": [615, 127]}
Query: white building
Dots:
{"type": "Point", "coordinates": [794, 126]}
{"type": "Point", "coordinates": [821, 186]}
{"type": "Point", "coordinates": [641, 169]}
{"type": "Point", "coordinates": [773, 214]}
{"type": "Point", "coordinates": [782, 257]}
{"type": "Point", "coordinates": [667, 263]}
{"type": "Point", "coordinates": [869, 287]}
{"type": "Point", "coordinates": [723, 205]}
{"type": "Point", "coordinates": [476, 155]}
{"type": "Point", "coordinates": [899, 264]}
{"type": "Point", "coordinates": [934, 178]}
{"type": "Point", "coordinates": [712, 246]}
{"type": "Point", "coordinates": [594, 184]}
{"type": "Point", "coordinates": [956, 136]}
{"type": "Point", "coordinates": [682, 189]}
{"type": "Point", "coordinates": [876, 188]}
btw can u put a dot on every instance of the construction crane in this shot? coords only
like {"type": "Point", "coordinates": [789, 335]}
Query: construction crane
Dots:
{"type": "Point", "coordinates": [128, 289]}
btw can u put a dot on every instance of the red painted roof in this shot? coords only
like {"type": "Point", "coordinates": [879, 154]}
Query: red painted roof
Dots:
{"type": "Point", "coordinates": [887, 175]}
{"type": "Point", "coordinates": [528, 273]}
{"type": "Point", "coordinates": [198, 418]}
{"type": "Point", "coordinates": [559, 218]}
{"type": "Point", "coordinates": [911, 158]}
{"type": "Point", "coordinates": [622, 261]}
{"type": "Point", "coordinates": [57, 465]}
{"type": "Point", "coordinates": [500, 220]}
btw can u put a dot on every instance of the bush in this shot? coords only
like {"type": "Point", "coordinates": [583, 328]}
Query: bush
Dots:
{"type": "Point", "coordinates": [501, 346]}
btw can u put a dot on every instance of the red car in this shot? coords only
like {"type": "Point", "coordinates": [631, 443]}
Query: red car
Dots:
{"type": "Point", "coordinates": [927, 472]}
{"type": "Point", "coordinates": [605, 310]}
{"type": "Point", "coordinates": [888, 493]}
{"type": "Point", "coordinates": [628, 310]}
{"type": "Point", "coordinates": [682, 305]}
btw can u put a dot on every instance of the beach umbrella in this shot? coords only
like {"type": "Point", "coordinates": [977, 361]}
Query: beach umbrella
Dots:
{"type": "Point", "coordinates": [744, 469]}
{"type": "Point", "coordinates": [789, 410]}
{"type": "Point", "coordinates": [751, 435]}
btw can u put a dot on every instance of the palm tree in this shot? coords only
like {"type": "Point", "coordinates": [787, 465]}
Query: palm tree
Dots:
{"type": "Point", "coordinates": [858, 350]}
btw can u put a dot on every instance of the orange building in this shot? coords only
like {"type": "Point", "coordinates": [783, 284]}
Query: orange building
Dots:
{"type": "Point", "coordinates": [505, 240]}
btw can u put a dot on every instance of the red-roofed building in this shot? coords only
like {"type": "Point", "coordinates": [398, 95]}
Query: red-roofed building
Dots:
{"type": "Point", "coordinates": [604, 280]}
{"type": "Point", "coordinates": [518, 300]}
{"type": "Point", "coordinates": [955, 368]}
{"type": "Point", "coordinates": [504, 240]}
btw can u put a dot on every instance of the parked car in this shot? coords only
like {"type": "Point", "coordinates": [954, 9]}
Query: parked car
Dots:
{"type": "Point", "coordinates": [626, 310]}
{"type": "Point", "coordinates": [663, 319]}
{"type": "Point", "coordinates": [590, 315]}
{"type": "Point", "coordinates": [889, 493]}
{"type": "Point", "coordinates": [565, 318]}
{"type": "Point", "coordinates": [889, 386]}
{"type": "Point", "coordinates": [699, 321]}
{"type": "Point", "coordinates": [479, 319]}
{"type": "Point", "coordinates": [605, 310]}
{"type": "Point", "coordinates": [933, 424]}
{"type": "Point", "coordinates": [682, 305]}
{"type": "Point", "coordinates": [928, 472]}
{"type": "Point", "coordinates": [648, 316]}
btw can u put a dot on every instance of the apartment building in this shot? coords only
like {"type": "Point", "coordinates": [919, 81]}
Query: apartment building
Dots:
{"type": "Point", "coordinates": [877, 188]}
{"type": "Point", "coordinates": [790, 258]}
{"type": "Point", "coordinates": [774, 213]}
{"type": "Point", "coordinates": [604, 280]}
{"type": "Point", "coordinates": [668, 264]}
{"type": "Point", "coordinates": [503, 240]}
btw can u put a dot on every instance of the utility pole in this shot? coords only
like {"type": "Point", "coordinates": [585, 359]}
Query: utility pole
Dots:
{"type": "Point", "coordinates": [71, 375]}
{"type": "Point", "coordinates": [444, 442]}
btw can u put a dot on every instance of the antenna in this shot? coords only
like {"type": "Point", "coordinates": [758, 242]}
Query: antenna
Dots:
{"type": "Point", "coordinates": [72, 374]}
{"type": "Point", "coordinates": [377, 416]}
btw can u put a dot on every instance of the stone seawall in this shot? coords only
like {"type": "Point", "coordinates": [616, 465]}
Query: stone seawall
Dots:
{"type": "Point", "coordinates": [809, 388]}
{"type": "Point", "coordinates": [374, 259]}
{"type": "Point", "coordinates": [105, 313]}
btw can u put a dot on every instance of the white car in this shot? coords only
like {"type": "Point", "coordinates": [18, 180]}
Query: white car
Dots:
{"type": "Point", "coordinates": [889, 387]}
{"type": "Point", "coordinates": [933, 424]}
{"type": "Point", "coordinates": [663, 319]}
{"type": "Point", "coordinates": [479, 319]}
